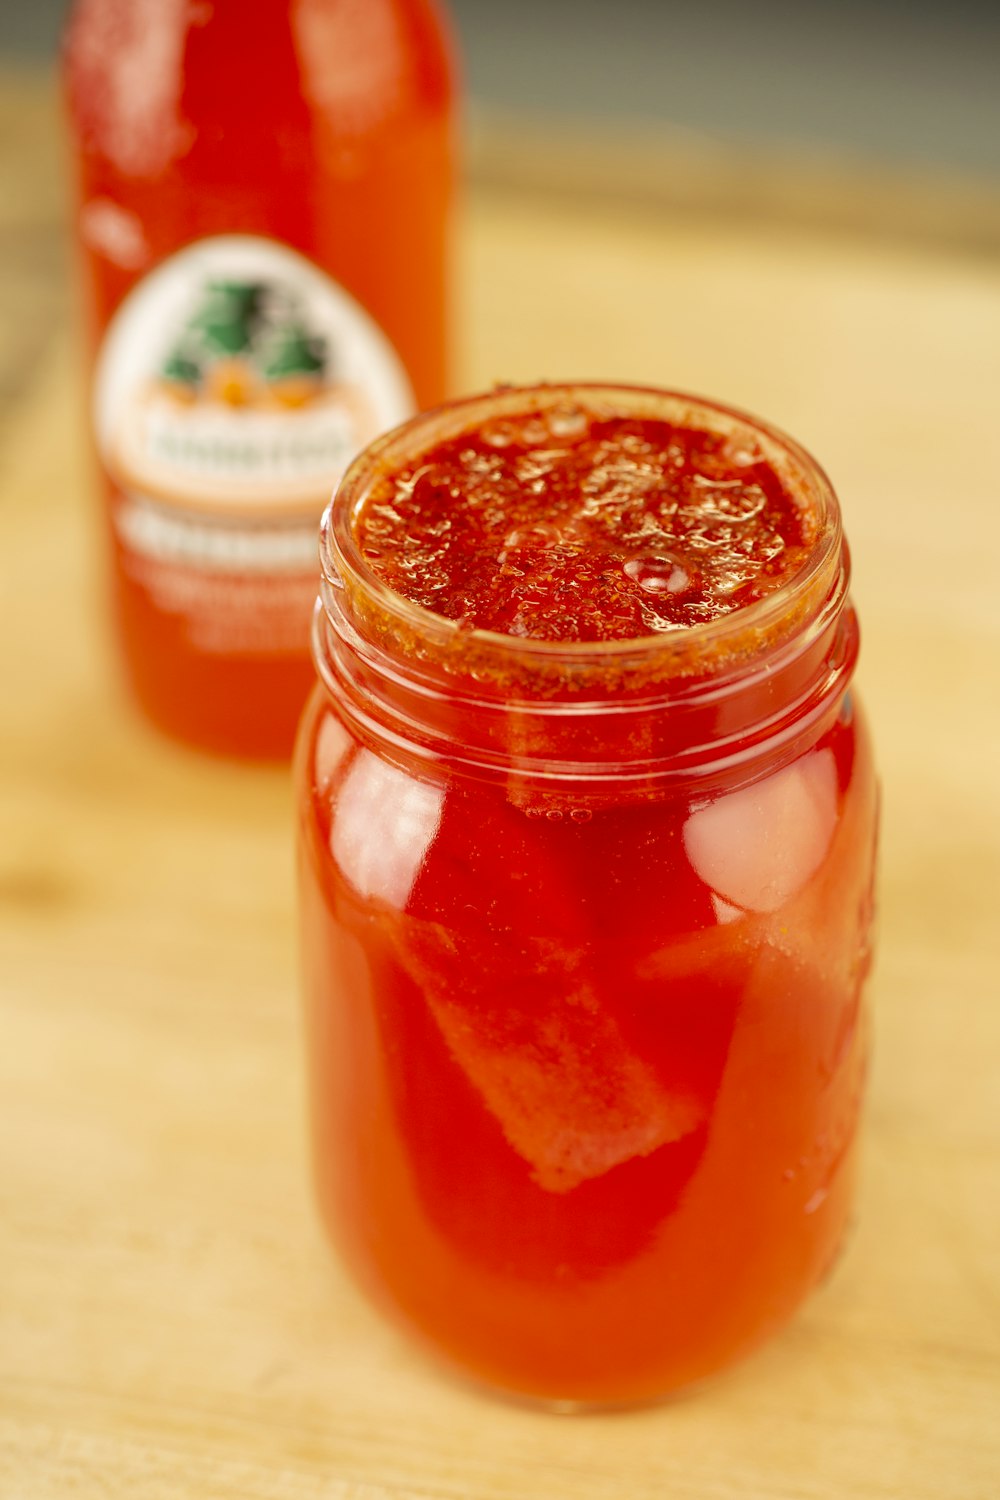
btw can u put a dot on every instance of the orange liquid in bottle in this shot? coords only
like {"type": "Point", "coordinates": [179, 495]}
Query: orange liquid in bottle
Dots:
{"type": "Point", "coordinates": [270, 183]}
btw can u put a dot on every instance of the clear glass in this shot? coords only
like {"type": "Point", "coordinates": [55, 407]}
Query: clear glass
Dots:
{"type": "Point", "coordinates": [585, 935]}
{"type": "Point", "coordinates": [313, 127]}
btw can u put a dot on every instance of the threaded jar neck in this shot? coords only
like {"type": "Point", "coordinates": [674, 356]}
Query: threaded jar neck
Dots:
{"type": "Point", "coordinates": [709, 703]}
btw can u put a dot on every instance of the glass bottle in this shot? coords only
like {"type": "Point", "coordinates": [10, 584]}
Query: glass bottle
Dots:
{"type": "Point", "coordinates": [262, 211]}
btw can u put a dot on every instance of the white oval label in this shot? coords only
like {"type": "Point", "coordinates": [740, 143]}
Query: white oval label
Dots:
{"type": "Point", "coordinates": [238, 380]}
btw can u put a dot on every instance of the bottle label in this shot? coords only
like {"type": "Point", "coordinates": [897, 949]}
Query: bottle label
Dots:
{"type": "Point", "coordinates": [235, 384]}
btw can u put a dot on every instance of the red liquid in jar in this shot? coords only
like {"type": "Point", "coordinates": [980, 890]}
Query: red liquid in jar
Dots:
{"type": "Point", "coordinates": [572, 526]}
{"type": "Point", "coordinates": [586, 1065]}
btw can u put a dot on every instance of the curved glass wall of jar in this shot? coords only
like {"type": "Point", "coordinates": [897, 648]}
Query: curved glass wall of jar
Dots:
{"type": "Point", "coordinates": [585, 935]}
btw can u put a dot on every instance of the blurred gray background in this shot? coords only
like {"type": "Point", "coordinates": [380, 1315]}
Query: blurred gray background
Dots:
{"type": "Point", "coordinates": [908, 82]}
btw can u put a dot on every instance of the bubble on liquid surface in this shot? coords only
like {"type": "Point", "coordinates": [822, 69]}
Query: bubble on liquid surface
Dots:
{"type": "Point", "coordinates": [568, 422]}
{"type": "Point", "coordinates": [738, 451]}
{"type": "Point", "coordinates": [658, 573]}
{"type": "Point", "coordinates": [742, 451]}
{"type": "Point", "coordinates": [533, 534]}
{"type": "Point", "coordinates": [727, 580]}
{"type": "Point", "coordinates": [729, 500]}
{"type": "Point", "coordinates": [498, 434]}
{"type": "Point", "coordinates": [531, 537]}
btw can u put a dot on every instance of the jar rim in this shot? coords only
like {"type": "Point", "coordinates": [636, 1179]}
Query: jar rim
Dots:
{"type": "Point", "coordinates": [679, 652]}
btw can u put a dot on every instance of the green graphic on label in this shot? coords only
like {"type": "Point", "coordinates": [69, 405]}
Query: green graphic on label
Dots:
{"type": "Point", "coordinates": [237, 381]}
{"type": "Point", "coordinates": [245, 342]}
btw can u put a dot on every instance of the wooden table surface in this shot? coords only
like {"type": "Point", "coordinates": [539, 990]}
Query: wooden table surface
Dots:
{"type": "Point", "coordinates": [170, 1324]}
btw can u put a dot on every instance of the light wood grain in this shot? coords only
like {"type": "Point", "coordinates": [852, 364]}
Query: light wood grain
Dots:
{"type": "Point", "coordinates": [652, 168]}
{"type": "Point", "coordinates": [170, 1324]}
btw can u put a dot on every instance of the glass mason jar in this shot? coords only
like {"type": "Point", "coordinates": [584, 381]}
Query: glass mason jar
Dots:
{"type": "Point", "coordinates": [585, 932]}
